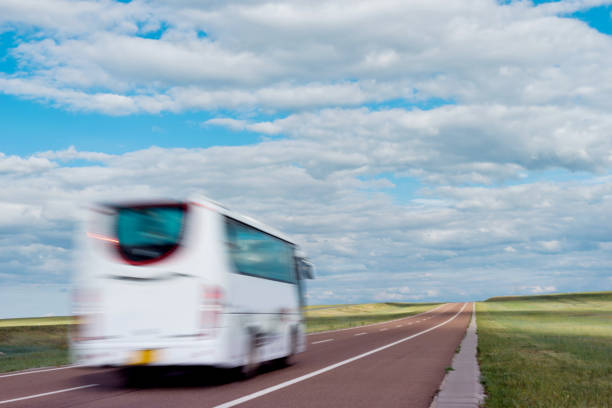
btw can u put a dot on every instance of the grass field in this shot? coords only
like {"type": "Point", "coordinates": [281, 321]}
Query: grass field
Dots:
{"type": "Point", "coordinates": [547, 351]}
{"type": "Point", "coordinates": [33, 346]}
{"type": "Point", "coordinates": [339, 317]}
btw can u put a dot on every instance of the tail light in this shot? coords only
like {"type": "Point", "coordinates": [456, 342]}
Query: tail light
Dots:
{"type": "Point", "coordinates": [211, 308]}
{"type": "Point", "coordinates": [103, 238]}
{"type": "Point", "coordinates": [85, 328]}
{"type": "Point", "coordinates": [87, 315]}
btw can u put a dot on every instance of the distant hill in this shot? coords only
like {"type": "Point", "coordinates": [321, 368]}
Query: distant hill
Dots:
{"type": "Point", "coordinates": [559, 296]}
{"type": "Point", "coordinates": [37, 321]}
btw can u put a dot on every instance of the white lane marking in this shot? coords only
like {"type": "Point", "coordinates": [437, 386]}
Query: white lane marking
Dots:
{"type": "Point", "coordinates": [360, 334]}
{"type": "Point", "coordinates": [375, 324]}
{"type": "Point", "coordinates": [47, 393]}
{"type": "Point", "coordinates": [399, 325]}
{"type": "Point", "coordinates": [383, 329]}
{"type": "Point", "coordinates": [37, 371]}
{"type": "Point", "coordinates": [285, 384]}
{"type": "Point", "coordinates": [321, 341]}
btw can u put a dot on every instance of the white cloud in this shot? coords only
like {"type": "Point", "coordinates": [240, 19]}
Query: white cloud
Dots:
{"type": "Point", "coordinates": [402, 293]}
{"type": "Point", "coordinates": [539, 289]}
{"type": "Point", "coordinates": [567, 7]}
{"type": "Point", "coordinates": [291, 55]}
{"type": "Point", "coordinates": [456, 144]}
{"type": "Point", "coordinates": [69, 17]}
{"type": "Point", "coordinates": [71, 153]}
{"type": "Point", "coordinates": [17, 164]}
{"type": "Point", "coordinates": [19, 214]}
{"type": "Point", "coordinates": [550, 246]}
{"type": "Point", "coordinates": [366, 245]}
{"type": "Point", "coordinates": [432, 292]}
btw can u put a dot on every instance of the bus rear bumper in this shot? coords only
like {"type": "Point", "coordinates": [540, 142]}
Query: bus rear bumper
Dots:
{"type": "Point", "coordinates": [100, 353]}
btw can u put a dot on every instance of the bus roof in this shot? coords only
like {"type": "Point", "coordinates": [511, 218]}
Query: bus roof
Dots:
{"type": "Point", "coordinates": [221, 209]}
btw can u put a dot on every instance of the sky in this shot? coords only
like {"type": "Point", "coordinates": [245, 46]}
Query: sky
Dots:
{"type": "Point", "coordinates": [423, 150]}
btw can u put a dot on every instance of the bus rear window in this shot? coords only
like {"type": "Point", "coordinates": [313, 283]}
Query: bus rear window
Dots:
{"type": "Point", "coordinates": [149, 233]}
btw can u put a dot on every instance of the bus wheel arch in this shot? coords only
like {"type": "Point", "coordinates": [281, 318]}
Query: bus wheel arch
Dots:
{"type": "Point", "coordinates": [251, 360]}
{"type": "Point", "coordinates": [292, 347]}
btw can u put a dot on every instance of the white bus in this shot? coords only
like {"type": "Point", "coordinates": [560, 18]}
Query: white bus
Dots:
{"type": "Point", "coordinates": [186, 283]}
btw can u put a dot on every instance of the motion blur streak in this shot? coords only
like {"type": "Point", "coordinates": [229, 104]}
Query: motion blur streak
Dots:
{"type": "Point", "coordinates": [170, 283]}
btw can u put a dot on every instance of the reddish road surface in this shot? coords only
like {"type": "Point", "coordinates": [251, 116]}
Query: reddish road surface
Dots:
{"type": "Point", "coordinates": [393, 364]}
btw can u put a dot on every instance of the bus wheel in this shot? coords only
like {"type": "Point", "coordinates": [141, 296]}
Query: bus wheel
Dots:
{"type": "Point", "coordinates": [250, 368]}
{"type": "Point", "coordinates": [136, 376]}
{"type": "Point", "coordinates": [290, 358]}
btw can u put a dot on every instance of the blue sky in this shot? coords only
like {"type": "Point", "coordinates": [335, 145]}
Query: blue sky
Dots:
{"type": "Point", "coordinates": [36, 127]}
{"type": "Point", "coordinates": [446, 150]}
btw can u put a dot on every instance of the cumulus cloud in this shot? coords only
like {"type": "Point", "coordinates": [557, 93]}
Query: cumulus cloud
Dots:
{"type": "Point", "coordinates": [15, 164]}
{"type": "Point", "coordinates": [71, 154]}
{"type": "Point", "coordinates": [482, 241]}
{"type": "Point", "coordinates": [148, 57]}
{"type": "Point", "coordinates": [452, 144]}
{"type": "Point", "coordinates": [538, 289]}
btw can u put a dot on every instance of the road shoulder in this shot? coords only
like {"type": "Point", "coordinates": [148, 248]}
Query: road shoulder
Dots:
{"type": "Point", "coordinates": [461, 387]}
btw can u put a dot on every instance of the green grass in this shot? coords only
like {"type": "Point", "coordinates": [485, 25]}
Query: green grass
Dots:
{"type": "Point", "coordinates": [357, 315]}
{"type": "Point", "coordinates": [33, 346]}
{"type": "Point", "coordinates": [314, 307]}
{"type": "Point", "coordinates": [547, 351]}
{"type": "Point", "coordinates": [37, 321]}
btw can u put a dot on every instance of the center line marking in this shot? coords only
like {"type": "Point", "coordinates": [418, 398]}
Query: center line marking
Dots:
{"type": "Point", "coordinates": [47, 393]}
{"type": "Point", "coordinates": [321, 341]}
{"type": "Point", "coordinates": [376, 324]}
{"type": "Point", "coordinates": [383, 329]}
{"type": "Point", "coordinates": [399, 325]}
{"type": "Point", "coordinates": [285, 384]}
{"type": "Point", "coordinates": [361, 334]}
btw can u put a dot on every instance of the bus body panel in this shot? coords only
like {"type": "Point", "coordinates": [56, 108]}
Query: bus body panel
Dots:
{"type": "Point", "coordinates": [176, 305]}
{"type": "Point", "coordinates": [267, 309]}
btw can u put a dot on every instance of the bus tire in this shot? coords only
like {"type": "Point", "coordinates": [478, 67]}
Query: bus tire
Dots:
{"type": "Point", "coordinates": [136, 376]}
{"type": "Point", "coordinates": [289, 359]}
{"type": "Point", "coordinates": [252, 364]}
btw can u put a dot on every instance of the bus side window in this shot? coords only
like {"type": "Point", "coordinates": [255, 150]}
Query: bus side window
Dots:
{"type": "Point", "coordinates": [257, 253]}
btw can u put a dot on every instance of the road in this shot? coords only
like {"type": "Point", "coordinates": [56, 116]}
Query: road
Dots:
{"type": "Point", "coordinates": [393, 364]}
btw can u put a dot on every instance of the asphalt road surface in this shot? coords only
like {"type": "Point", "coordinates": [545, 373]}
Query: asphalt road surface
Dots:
{"type": "Point", "coordinates": [393, 364]}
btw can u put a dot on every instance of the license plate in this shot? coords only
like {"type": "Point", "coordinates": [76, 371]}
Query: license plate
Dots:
{"type": "Point", "coordinates": [141, 357]}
